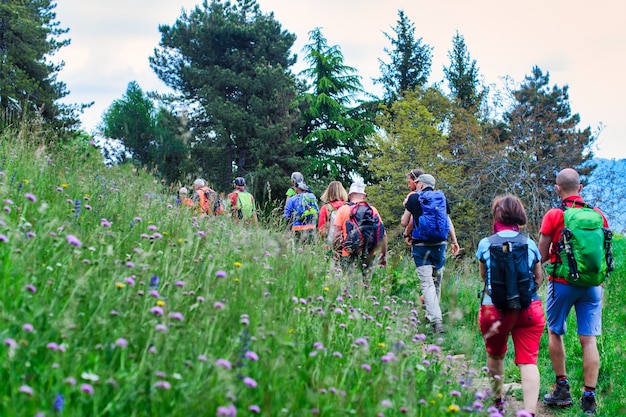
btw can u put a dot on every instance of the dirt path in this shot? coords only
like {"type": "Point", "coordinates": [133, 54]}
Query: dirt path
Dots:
{"type": "Point", "coordinates": [514, 404]}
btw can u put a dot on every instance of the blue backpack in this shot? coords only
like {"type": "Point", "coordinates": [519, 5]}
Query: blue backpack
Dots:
{"type": "Point", "coordinates": [433, 225]}
{"type": "Point", "coordinates": [308, 210]}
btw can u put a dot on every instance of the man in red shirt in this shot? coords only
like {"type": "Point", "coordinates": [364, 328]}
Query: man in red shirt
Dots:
{"type": "Point", "coordinates": [562, 297]}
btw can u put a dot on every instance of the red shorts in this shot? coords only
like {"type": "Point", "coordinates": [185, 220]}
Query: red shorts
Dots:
{"type": "Point", "coordinates": [525, 326]}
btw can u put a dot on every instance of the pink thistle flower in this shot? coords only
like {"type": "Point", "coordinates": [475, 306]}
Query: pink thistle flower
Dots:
{"type": "Point", "coordinates": [366, 367]}
{"type": "Point", "coordinates": [30, 288]}
{"type": "Point", "coordinates": [254, 408]}
{"type": "Point", "coordinates": [130, 264]}
{"type": "Point", "coordinates": [177, 316]}
{"type": "Point", "coordinates": [157, 311]}
{"type": "Point", "coordinates": [73, 240]}
{"type": "Point", "coordinates": [26, 390]}
{"type": "Point", "coordinates": [152, 349]}
{"type": "Point", "coordinates": [163, 385]}
{"type": "Point", "coordinates": [220, 274]}
{"type": "Point", "coordinates": [386, 403]}
{"type": "Point", "coordinates": [180, 283]}
{"type": "Point", "coordinates": [52, 346]}
{"type": "Point", "coordinates": [87, 389]}
{"type": "Point", "coordinates": [154, 293]}
{"type": "Point", "coordinates": [31, 197]}
{"type": "Point", "coordinates": [200, 299]}
{"type": "Point", "coordinates": [152, 227]}
{"type": "Point", "coordinates": [251, 355]}
{"type": "Point", "coordinates": [3, 238]}
{"type": "Point", "coordinates": [28, 327]}
{"type": "Point", "coordinates": [338, 311]}
{"type": "Point", "coordinates": [250, 382]}
{"type": "Point", "coordinates": [105, 223]}
{"type": "Point", "coordinates": [161, 328]}
{"type": "Point", "coordinates": [130, 280]}
{"type": "Point", "coordinates": [160, 374]}
{"type": "Point", "coordinates": [223, 363]}
{"type": "Point", "coordinates": [7, 209]}
{"type": "Point", "coordinates": [87, 207]}
{"type": "Point", "coordinates": [202, 358]}
{"type": "Point", "coordinates": [201, 233]}
{"type": "Point", "coordinates": [218, 305]}
{"type": "Point", "coordinates": [121, 342]}
{"type": "Point", "coordinates": [70, 380]}
{"type": "Point", "coordinates": [337, 355]}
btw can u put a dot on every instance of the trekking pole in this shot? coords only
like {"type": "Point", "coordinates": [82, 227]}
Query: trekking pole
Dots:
{"type": "Point", "coordinates": [571, 261]}
{"type": "Point", "coordinates": [608, 237]}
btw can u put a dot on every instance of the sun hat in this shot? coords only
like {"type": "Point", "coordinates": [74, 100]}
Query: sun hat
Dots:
{"type": "Point", "coordinates": [297, 177]}
{"type": "Point", "coordinates": [357, 187]}
{"type": "Point", "coordinates": [427, 179]}
{"type": "Point", "coordinates": [240, 182]}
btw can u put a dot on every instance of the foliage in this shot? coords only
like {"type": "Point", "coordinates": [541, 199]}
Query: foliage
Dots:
{"type": "Point", "coordinates": [410, 61]}
{"type": "Point", "coordinates": [411, 136]}
{"type": "Point", "coordinates": [229, 63]}
{"type": "Point", "coordinates": [333, 133]}
{"type": "Point", "coordinates": [462, 76]}
{"type": "Point", "coordinates": [29, 37]}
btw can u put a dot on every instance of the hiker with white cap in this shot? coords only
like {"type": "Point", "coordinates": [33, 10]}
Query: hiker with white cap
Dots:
{"type": "Point", "coordinates": [428, 226]}
{"type": "Point", "coordinates": [359, 232]}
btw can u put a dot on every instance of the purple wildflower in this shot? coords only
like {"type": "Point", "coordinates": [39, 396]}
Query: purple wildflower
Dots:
{"type": "Point", "coordinates": [386, 403]}
{"type": "Point", "coordinates": [179, 283]}
{"type": "Point", "coordinates": [337, 355]}
{"type": "Point", "coordinates": [73, 240]}
{"type": "Point", "coordinates": [177, 316]}
{"type": "Point", "coordinates": [227, 411]}
{"type": "Point", "coordinates": [163, 385]}
{"type": "Point", "coordinates": [157, 311]}
{"type": "Point", "coordinates": [3, 238]}
{"type": "Point", "coordinates": [250, 382]}
{"type": "Point", "coordinates": [31, 197]}
{"type": "Point", "coordinates": [26, 390]}
{"type": "Point", "coordinates": [361, 341]}
{"type": "Point", "coordinates": [30, 288]}
{"type": "Point", "coordinates": [219, 305]}
{"type": "Point", "coordinates": [70, 380]}
{"type": "Point", "coordinates": [28, 327]}
{"type": "Point", "coordinates": [202, 358]}
{"type": "Point", "coordinates": [87, 389]}
{"type": "Point", "coordinates": [161, 328]}
{"type": "Point", "coordinates": [52, 346]}
{"type": "Point", "coordinates": [121, 342]}
{"type": "Point", "coordinates": [251, 355]}
{"type": "Point", "coordinates": [254, 408]}
{"type": "Point", "coordinates": [223, 363]}
{"type": "Point", "coordinates": [220, 274]}
{"type": "Point", "coordinates": [130, 264]}
{"type": "Point", "coordinates": [11, 343]}
{"type": "Point", "coordinates": [366, 367]}
{"type": "Point", "coordinates": [130, 280]}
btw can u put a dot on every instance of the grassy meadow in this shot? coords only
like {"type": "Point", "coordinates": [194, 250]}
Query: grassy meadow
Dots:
{"type": "Point", "coordinates": [116, 302]}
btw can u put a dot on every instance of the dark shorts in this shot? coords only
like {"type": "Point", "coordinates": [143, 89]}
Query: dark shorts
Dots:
{"type": "Point", "coordinates": [434, 255]}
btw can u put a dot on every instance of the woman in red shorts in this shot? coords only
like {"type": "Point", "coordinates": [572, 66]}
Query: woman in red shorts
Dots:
{"type": "Point", "coordinates": [525, 325]}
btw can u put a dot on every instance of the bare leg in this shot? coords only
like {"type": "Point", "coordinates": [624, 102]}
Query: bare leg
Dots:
{"type": "Point", "coordinates": [557, 353]}
{"type": "Point", "coordinates": [591, 360]}
{"type": "Point", "coordinates": [530, 386]}
{"type": "Point", "coordinates": [496, 370]}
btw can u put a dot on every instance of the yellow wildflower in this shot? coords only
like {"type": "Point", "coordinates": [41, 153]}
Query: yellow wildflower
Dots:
{"type": "Point", "coordinates": [326, 289]}
{"type": "Point", "coordinates": [119, 285]}
{"type": "Point", "coordinates": [237, 279]}
{"type": "Point", "coordinates": [290, 331]}
{"type": "Point", "coordinates": [453, 408]}
{"type": "Point", "coordinates": [25, 181]}
{"type": "Point", "coordinates": [381, 345]}
{"type": "Point", "coordinates": [238, 264]}
{"type": "Point", "coordinates": [65, 185]}
{"type": "Point", "coordinates": [180, 240]}
{"type": "Point", "coordinates": [440, 395]}
{"type": "Point", "coordinates": [160, 303]}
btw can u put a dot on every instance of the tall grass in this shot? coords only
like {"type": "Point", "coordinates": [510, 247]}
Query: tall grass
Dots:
{"type": "Point", "coordinates": [114, 302]}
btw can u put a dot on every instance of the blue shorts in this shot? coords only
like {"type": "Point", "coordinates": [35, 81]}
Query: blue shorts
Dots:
{"type": "Point", "coordinates": [586, 300]}
{"type": "Point", "coordinates": [434, 255]}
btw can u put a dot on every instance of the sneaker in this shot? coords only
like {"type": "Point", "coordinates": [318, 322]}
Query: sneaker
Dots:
{"type": "Point", "coordinates": [438, 327]}
{"type": "Point", "coordinates": [588, 404]}
{"type": "Point", "coordinates": [560, 397]}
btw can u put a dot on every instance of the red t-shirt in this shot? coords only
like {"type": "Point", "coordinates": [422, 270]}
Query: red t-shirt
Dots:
{"type": "Point", "coordinates": [552, 225]}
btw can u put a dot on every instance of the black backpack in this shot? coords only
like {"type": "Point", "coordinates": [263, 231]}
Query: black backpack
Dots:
{"type": "Point", "coordinates": [364, 230]}
{"type": "Point", "coordinates": [510, 283]}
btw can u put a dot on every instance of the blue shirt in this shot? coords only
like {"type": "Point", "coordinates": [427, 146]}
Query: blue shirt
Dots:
{"type": "Point", "coordinates": [482, 253]}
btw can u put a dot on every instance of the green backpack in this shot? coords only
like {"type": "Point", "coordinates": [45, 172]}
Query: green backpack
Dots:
{"type": "Point", "coordinates": [245, 205]}
{"type": "Point", "coordinates": [585, 253]}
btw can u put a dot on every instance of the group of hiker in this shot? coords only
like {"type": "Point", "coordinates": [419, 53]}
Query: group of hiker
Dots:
{"type": "Point", "coordinates": [574, 246]}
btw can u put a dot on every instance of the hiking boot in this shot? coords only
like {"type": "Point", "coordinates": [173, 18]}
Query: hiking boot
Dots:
{"type": "Point", "coordinates": [588, 404]}
{"type": "Point", "coordinates": [438, 327]}
{"type": "Point", "coordinates": [560, 397]}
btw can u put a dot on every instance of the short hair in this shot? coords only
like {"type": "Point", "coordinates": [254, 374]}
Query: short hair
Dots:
{"type": "Point", "coordinates": [335, 191]}
{"type": "Point", "coordinates": [297, 177]}
{"type": "Point", "coordinates": [508, 209]}
{"type": "Point", "coordinates": [568, 179]}
{"type": "Point", "coordinates": [199, 183]}
{"type": "Point", "coordinates": [414, 174]}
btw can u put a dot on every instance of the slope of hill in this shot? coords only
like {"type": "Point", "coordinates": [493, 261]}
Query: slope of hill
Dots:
{"type": "Point", "coordinates": [606, 188]}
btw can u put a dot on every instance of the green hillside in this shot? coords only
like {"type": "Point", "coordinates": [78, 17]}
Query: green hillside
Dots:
{"type": "Point", "coordinates": [115, 302]}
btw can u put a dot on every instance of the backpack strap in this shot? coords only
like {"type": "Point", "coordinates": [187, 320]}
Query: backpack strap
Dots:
{"type": "Point", "coordinates": [564, 207]}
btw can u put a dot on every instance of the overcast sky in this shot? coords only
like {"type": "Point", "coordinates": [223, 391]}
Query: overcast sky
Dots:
{"type": "Point", "coordinates": [581, 44]}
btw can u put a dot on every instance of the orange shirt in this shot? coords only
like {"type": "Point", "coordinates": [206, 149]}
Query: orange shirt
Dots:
{"type": "Point", "coordinates": [343, 214]}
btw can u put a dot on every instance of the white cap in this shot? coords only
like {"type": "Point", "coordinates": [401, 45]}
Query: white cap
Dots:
{"type": "Point", "coordinates": [357, 187]}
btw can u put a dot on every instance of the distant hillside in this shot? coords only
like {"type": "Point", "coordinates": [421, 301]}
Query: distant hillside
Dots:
{"type": "Point", "coordinates": [606, 188]}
